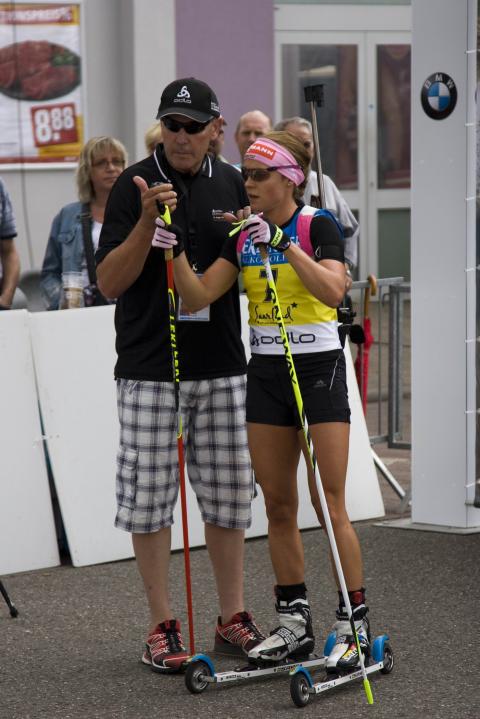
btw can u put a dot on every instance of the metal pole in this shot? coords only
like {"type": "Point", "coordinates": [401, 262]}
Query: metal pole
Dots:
{"type": "Point", "coordinates": [388, 476]}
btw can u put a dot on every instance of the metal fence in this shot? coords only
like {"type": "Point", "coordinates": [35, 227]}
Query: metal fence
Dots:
{"type": "Point", "coordinates": [387, 388]}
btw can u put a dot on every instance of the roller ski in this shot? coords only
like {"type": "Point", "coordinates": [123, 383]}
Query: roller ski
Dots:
{"type": "Point", "coordinates": [290, 645]}
{"type": "Point", "coordinates": [379, 659]}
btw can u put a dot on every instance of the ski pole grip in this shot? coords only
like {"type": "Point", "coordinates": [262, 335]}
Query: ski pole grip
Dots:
{"type": "Point", "coordinates": [370, 291]}
{"type": "Point", "coordinates": [163, 209]}
{"type": "Point", "coordinates": [314, 93]}
{"type": "Point", "coordinates": [164, 213]}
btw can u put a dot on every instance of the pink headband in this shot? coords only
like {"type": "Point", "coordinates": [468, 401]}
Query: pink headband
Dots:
{"type": "Point", "coordinates": [275, 155]}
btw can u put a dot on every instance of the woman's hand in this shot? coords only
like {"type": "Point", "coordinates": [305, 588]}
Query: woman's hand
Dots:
{"type": "Point", "coordinates": [262, 232]}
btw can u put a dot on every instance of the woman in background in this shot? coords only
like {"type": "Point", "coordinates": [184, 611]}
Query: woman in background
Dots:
{"type": "Point", "coordinates": [153, 137]}
{"type": "Point", "coordinates": [76, 229]}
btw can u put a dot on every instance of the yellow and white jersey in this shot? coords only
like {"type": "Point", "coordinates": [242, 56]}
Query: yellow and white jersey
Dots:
{"type": "Point", "coordinates": [310, 324]}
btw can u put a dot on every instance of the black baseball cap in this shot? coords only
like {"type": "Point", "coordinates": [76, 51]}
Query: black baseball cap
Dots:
{"type": "Point", "coordinates": [190, 97]}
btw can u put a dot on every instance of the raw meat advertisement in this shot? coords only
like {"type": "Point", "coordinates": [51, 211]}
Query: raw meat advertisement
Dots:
{"type": "Point", "coordinates": [40, 83]}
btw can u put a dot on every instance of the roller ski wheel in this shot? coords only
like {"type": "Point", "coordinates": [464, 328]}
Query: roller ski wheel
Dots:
{"type": "Point", "coordinates": [195, 676]}
{"type": "Point", "coordinates": [299, 690]}
{"type": "Point", "coordinates": [388, 660]}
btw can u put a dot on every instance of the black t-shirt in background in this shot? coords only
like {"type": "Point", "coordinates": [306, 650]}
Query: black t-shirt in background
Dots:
{"type": "Point", "coordinates": [206, 349]}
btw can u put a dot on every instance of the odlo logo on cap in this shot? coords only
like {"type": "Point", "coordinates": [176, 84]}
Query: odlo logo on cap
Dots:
{"type": "Point", "coordinates": [183, 95]}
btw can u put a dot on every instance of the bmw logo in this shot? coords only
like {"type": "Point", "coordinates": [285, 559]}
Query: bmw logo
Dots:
{"type": "Point", "coordinates": [439, 96]}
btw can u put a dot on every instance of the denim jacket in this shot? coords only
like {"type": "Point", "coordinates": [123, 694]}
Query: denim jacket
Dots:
{"type": "Point", "coordinates": [64, 253]}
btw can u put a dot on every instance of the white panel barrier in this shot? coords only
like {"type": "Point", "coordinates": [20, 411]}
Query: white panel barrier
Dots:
{"type": "Point", "coordinates": [363, 496]}
{"type": "Point", "coordinates": [74, 357]}
{"type": "Point", "coordinates": [27, 531]}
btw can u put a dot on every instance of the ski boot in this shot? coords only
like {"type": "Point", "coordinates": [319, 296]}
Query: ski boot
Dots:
{"type": "Point", "coordinates": [344, 655]}
{"type": "Point", "coordinates": [292, 639]}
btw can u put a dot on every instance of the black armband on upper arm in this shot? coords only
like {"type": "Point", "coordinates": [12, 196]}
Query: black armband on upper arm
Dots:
{"type": "Point", "coordinates": [327, 240]}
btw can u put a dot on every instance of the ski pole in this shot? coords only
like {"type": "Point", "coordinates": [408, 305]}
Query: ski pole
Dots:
{"type": "Point", "coordinates": [314, 95]}
{"type": "Point", "coordinates": [165, 215]}
{"type": "Point", "coordinates": [313, 461]}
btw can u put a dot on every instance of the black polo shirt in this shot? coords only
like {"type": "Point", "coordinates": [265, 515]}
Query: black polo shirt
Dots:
{"type": "Point", "coordinates": [206, 349]}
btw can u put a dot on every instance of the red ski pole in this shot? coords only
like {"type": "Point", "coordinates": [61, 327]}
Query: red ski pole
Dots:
{"type": "Point", "coordinates": [165, 215]}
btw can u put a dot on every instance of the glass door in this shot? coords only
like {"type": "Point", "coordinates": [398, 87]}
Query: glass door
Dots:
{"type": "Point", "coordinates": [364, 123]}
{"type": "Point", "coordinates": [388, 152]}
{"type": "Point", "coordinates": [308, 59]}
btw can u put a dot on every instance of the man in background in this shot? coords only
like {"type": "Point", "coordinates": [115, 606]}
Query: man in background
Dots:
{"type": "Point", "coordinates": [215, 145]}
{"type": "Point", "coordinates": [251, 125]}
{"type": "Point", "coordinates": [9, 259]}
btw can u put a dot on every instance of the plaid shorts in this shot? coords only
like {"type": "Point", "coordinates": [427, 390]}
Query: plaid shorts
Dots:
{"type": "Point", "coordinates": [216, 452]}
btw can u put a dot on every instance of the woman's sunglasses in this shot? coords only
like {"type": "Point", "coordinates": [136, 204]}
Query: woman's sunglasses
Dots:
{"type": "Point", "coordinates": [191, 128]}
{"type": "Point", "coordinates": [260, 175]}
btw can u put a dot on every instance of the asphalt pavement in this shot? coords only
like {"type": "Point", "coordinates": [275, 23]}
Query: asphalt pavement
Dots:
{"type": "Point", "coordinates": [73, 652]}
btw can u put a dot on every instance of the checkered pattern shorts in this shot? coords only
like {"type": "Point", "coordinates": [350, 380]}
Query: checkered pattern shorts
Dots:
{"type": "Point", "coordinates": [216, 452]}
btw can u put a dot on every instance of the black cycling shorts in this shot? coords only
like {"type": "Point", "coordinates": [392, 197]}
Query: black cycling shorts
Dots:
{"type": "Point", "coordinates": [323, 385]}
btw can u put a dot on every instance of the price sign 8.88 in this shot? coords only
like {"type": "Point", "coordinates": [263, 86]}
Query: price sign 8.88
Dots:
{"type": "Point", "coordinates": [54, 124]}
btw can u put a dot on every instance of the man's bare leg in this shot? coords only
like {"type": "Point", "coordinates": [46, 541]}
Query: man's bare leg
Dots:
{"type": "Point", "coordinates": [226, 550]}
{"type": "Point", "coordinates": [152, 552]}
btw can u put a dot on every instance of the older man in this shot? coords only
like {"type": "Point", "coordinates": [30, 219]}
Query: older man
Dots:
{"type": "Point", "coordinates": [251, 125]}
{"type": "Point", "coordinates": [181, 174]}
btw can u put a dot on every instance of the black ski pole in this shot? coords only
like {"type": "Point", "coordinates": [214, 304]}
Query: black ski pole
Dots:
{"type": "Point", "coordinates": [314, 97]}
{"type": "Point", "coordinates": [10, 604]}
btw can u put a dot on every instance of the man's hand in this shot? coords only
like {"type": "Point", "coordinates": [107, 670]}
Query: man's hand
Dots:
{"type": "Point", "coordinates": [168, 239]}
{"type": "Point", "coordinates": [238, 216]}
{"type": "Point", "coordinates": [162, 194]}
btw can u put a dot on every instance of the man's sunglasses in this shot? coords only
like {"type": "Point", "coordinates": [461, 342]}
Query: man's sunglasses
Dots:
{"type": "Point", "coordinates": [191, 128]}
{"type": "Point", "coordinates": [260, 175]}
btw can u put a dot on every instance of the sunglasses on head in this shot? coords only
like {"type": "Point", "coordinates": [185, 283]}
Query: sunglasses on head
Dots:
{"type": "Point", "coordinates": [260, 175]}
{"type": "Point", "coordinates": [191, 128]}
